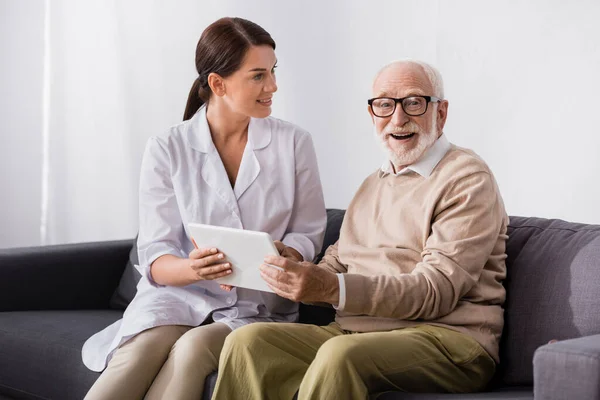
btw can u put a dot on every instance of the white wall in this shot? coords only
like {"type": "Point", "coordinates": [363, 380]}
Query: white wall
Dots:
{"type": "Point", "coordinates": [521, 78]}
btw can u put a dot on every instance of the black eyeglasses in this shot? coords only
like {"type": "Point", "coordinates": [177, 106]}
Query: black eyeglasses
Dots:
{"type": "Point", "coordinates": [414, 105]}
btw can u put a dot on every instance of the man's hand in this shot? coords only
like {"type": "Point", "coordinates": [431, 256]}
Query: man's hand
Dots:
{"type": "Point", "coordinates": [285, 251]}
{"type": "Point", "coordinates": [302, 281]}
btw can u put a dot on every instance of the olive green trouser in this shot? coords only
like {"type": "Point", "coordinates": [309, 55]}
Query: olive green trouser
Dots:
{"type": "Point", "coordinates": [275, 360]}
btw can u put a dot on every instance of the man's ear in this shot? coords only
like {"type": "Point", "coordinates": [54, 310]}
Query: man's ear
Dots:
{"type": "Point", "coordinates": [216, 83]}
{"type": "Point", "coordinates": [371, 113]}
{"type": "Point", "coordinates": [442, 114]}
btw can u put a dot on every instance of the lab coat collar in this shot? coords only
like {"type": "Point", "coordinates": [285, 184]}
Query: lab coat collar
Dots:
{"type": "Point", "coordinates": [259, 133]}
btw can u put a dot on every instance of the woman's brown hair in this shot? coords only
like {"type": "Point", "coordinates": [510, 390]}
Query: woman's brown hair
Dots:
{"type": "Point", "coordinates": [221, 49]}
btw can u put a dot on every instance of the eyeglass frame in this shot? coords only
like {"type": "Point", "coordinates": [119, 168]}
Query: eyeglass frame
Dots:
{"type": "Point", "coordinates": [428, 99]}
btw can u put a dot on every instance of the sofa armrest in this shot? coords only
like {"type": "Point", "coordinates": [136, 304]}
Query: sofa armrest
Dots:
{"type": "Point", "coordinates": [72, 276]}
{"type": "Point", "coordinates": [568, 369]}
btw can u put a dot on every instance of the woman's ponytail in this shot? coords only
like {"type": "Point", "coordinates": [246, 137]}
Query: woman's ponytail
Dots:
{"type": "Point", "coordinates": [194, 101]}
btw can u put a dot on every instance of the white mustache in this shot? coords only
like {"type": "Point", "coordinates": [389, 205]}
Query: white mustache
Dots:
{"type": "Point", "coordinates": [408, 128]}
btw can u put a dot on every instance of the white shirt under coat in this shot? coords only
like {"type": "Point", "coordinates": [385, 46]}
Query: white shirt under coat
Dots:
{"type": "Point", "coordinates": [183, 180]}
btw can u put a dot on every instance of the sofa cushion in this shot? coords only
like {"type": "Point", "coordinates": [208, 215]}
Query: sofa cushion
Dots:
{"type": "Point", "coordinates": [40, 352]}
{"type": "Point", "coordinates": [209, 385]}
{"type": "Point", "coordinates": [553, 290]}
{"type": "Point", "coordinates": [127, 288]}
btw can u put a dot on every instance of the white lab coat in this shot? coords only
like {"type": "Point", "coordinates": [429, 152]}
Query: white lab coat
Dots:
{"type": "Point", "coordinates": [183, 180]}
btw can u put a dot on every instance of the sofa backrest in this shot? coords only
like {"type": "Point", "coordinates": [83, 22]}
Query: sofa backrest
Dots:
{"type": "Point", "coordinates": [552, 287]}
{"type": "Point", "coordinates": [127, 287]}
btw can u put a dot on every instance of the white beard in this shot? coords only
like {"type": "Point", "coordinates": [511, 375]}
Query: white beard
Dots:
{"type": "Point", "coordinates": [399, 157]}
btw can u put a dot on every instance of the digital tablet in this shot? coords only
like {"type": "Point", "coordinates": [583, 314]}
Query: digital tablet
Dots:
{"type": "Point", "coordinates": [244, 249]}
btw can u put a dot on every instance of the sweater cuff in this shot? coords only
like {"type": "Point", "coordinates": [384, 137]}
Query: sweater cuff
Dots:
{"type": "Point", "coordinates": [356, 286]}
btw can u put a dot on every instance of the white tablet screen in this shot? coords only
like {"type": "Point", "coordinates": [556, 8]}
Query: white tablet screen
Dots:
{"type": "Point", "coordinates": [244, 249]}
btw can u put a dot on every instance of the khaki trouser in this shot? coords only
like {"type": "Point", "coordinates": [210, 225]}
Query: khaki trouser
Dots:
{"type": "Point", "coordinates": [273, 361]}
{"type": "Point", "coordinates": [166, 362]}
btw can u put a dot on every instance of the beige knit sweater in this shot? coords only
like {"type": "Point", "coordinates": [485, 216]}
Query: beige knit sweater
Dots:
{"type": "Point", "coordinates": [417, 250]}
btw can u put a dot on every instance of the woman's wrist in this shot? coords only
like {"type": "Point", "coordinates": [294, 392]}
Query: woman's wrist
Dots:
{"type": "Point", "coordinates": [170, 270]}
{"type": "Point", "coordinates": [292, 253]}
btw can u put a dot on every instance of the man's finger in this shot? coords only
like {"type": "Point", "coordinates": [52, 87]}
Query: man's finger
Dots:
{"type": "Point", "coordinates": [273, 271]}
{"type": "Point", "coordinates": [267, 274]}
{"type": "Point", "coordinates": [278, 291]}
{"type": "Point", "coordinates": [281, 262]}
{"type": "Point", "coordinates": [276, 278]}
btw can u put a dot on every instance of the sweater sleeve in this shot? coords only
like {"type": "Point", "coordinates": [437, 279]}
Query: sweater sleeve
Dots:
{"type": "Point", "coordinates": [464, 230]}
{"type": "Point", "coordinates": [331, 261]}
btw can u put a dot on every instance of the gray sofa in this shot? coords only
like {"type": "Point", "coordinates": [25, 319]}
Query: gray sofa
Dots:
{"type": "Point", "coordinates": [53, 298]}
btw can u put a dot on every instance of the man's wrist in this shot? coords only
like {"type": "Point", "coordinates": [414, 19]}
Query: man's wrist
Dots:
{"type": "Point", "coordinates": [333, 292]}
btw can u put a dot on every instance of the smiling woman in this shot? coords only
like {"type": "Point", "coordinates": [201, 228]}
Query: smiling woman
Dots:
{"type": "Point", "coordinates": [220, 53]}
{"type": "Point", "coordinates": [227, 160]}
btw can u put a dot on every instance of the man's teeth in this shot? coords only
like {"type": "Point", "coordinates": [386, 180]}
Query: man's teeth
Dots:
{"type": "Point", "coordinates": [402, 135]}
{"type": "Point", "coordinates": [264, 101]}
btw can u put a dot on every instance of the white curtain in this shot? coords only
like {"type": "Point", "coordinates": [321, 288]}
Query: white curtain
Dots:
{"type": "Point", "coordinates": [114, 82]}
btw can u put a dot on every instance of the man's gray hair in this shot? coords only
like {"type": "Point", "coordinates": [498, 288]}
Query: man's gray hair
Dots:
{"type": "Point", "coordinates": [435, 78]}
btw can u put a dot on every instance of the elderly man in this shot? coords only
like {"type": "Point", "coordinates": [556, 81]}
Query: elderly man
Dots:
{"type": "Point", "coordinates": [416, 276]}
